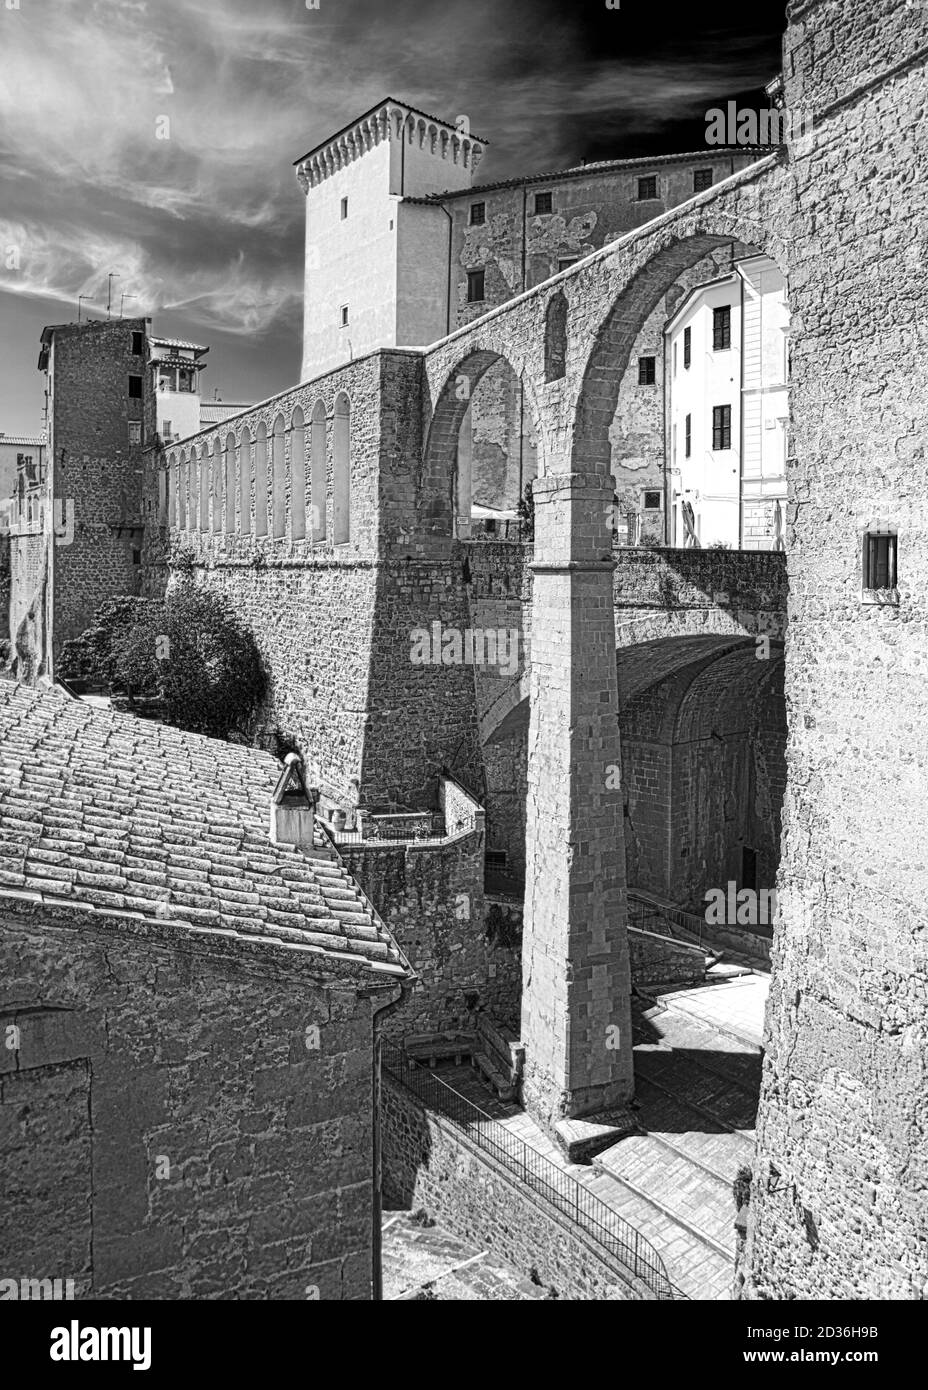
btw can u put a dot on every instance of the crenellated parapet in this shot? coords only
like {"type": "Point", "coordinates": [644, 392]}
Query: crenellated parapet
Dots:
{"type": "Point", "coordinates": [390, 120]}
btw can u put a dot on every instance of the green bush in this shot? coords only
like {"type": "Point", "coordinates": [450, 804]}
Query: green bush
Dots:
{"type": "Point", "coordinates": [189, 651]}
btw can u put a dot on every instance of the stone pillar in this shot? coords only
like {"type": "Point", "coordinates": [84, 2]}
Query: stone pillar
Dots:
{"type": "Point", "coordinates": [576, 1017]}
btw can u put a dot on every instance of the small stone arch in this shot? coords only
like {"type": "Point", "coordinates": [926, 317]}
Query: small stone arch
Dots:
{"type": "Point", "coordinates": [444, 486]}
{"type": "Point", "coordinates": [279, 478]}
{"type": "Point", "coordinates": [297, 475]}
{"type": "Point", "coordinates": [229, 487]}
{"type": "Point", "coordinates": [341, 470]}
{"type": "Point", "coordinates": [317, 472]}
{"type": "Point", "coordinates": [261, 480]}
{"type": "Point", "coordinates": [245, 482]}
{"type": "Point", "coordinates": [556, 337]}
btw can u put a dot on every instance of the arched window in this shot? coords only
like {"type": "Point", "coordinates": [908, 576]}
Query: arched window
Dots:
{"type": "Point", "coordinates": [341, 470]}
{"type": "Point", "coordinates": [229, 489]}
{"type": "Point", "coordinates": [279, 478]}
{"type": "Point", "coordinates": [297, 476]}
{"type": "Point", "coordinates": [556, 337]}
{"type": "Point", "coordinates": [245, 470]}
{"type": "Point", "coordinates": [183, 494]}
{"type": "Point", "coordinates": [261, 480]}
{"type": "Point", "coordinates": [317, 480]}
{"type": "Point", "coordinates": [217, 469]}
{"type": "Point", "coordinates": [204, 488]}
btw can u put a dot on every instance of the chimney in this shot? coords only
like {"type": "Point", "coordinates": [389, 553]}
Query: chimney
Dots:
{"type": "Point", "coordinates": [293, 806]}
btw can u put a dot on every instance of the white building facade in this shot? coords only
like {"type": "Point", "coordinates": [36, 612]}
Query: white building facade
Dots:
{"type": "Point", "coordinates": [726, 368]}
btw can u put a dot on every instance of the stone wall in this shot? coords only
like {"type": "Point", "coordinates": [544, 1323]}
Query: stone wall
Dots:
{"type": "Point", "coordinates": [4, 580]}
{"type": "Point", "coordinates": [431, 898]}
{"type": "Point", "coordinates": [659, 960]}
{"type": "Point", "coordinates": [96, 471]}
{"type": "Point", "coordinates": [430, 1165]}
{"type": "Point", "coordinates": [165, 1130]}
{"type": "Point", "coordinates": [838, 1199]}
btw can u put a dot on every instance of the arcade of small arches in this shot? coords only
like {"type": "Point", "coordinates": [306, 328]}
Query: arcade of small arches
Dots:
{"type": "Point", "coordinates": [267, 484]}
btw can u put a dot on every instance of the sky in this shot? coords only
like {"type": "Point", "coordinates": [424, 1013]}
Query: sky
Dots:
{"type": "Point", "coordinates": [203, 230]}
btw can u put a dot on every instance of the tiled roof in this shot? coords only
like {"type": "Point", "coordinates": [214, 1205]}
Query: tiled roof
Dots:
{"type": "Point", "coordinates": [157, 341]}
{"type": "Point", "coordinates": [107, 811]}
{"type": "Point", "coordinates": [711, 155]}
{"type": "Point", "coordinates": [213, 412]}
{"type": "Point", "coordinates": [36, 441]}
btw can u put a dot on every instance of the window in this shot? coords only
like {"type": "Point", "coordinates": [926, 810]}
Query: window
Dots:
{"type": "Point", "coordinates": [647, 188]}
{"type": "Point", "coordinates": [343, 315]}
{"type": "Point", "coordinates": [475, 286]}
{"type": "Point", "coordinates": [136, 556]}
{"type": "Point", "coordinates": [137, 344]}
{"type": "Point", "coordinates": [166, 433]}
{"type": "Point", "coordinates": [879, 560]}
{"type": "Point", "coordinates": [702, 179]}
{"type": "Point", "coordinates": [565, 261]}
{"type": "Point", "coordinates": [721, 427]}
{"type": "Point", "coordinates": [721, 328]}
{"type": "Point", "coordinates": [135, 431]}
{"type": "Point", "coordinates": [688, 446]}
{"type": "Point", "coordinates": [478, 214]}
{"type": "Point", "coordinates": [687, 348]}
{"type": "Point", "coordinates": [652, 501]}
{"type": "Point", "coordinates": [135, 388]}
{"type": "Point", "coordinates": [344, 208]}
{"type": "Point", "coordinates": [646, 371]}
{"type": "Point", "coordinates": [543, 202]}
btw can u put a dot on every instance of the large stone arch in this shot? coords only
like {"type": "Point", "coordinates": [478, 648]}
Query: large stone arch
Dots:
{"type": "Point", "coordinates": [671, 253]}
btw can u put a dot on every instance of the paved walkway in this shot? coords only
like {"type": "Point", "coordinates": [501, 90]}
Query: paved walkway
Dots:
{"type": "Point", "coordinates": [697, 1078]}
{"type": "Point", "coordinates": [735, 1007]}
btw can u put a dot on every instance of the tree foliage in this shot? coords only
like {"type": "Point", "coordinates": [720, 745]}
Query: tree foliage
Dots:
{"type": "Point", "coordinates": [189, 651]}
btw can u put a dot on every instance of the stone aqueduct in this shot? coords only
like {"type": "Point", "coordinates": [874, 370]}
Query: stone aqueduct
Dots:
{"type": "Point", "coordinates": [380, 728]}
{"type": "Point", "coordinates": [837, 1198]}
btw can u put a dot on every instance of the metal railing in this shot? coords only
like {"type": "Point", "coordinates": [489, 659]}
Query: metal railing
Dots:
{"type": "Point", "coordinates": [598, 1221]}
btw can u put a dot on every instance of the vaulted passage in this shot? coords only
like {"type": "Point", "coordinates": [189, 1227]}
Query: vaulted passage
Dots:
{"type": "Point", "coordinates": [702, 724]}
{"type": "Point", "coordinates": [703, 771]}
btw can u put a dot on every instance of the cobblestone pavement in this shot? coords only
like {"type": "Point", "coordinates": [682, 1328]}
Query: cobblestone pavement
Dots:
{"type": "Point", "coordinates": [696, 1097]}
{"type": "Point", "coordinates": [422, 1262]}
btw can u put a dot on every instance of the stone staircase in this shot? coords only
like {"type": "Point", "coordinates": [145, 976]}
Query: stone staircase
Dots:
{"type": "Point", "coordinates": [696, 1093]}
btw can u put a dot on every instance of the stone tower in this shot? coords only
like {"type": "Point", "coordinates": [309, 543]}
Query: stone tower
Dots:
{"type": "Point", "coordinates": [377, 260]}
{"type": "Point", "coordinates": [837, 1205]}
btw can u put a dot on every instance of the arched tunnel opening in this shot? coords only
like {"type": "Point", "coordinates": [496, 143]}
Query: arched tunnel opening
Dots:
{"type": "Point", "coordinates": [702, 724]}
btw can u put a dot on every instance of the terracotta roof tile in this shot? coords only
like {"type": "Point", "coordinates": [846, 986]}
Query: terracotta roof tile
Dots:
{"type": "Point", "coordinates": [139, 819]}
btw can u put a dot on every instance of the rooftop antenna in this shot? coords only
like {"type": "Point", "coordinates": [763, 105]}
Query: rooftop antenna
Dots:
{"type": "Point", "coordinates": [80, 299]}
{"type": "Point", "coordinates": [109, 293]}
{"type": "Point", "coordinates": [122, 300]}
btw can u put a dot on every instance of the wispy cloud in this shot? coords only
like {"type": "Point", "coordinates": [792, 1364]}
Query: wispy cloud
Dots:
{"type": "Point", "coordinates": [155, 137]}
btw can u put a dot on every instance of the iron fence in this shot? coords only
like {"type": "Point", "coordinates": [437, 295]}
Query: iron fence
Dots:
{"type": "Point", "coordinates": [597, 1220]}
